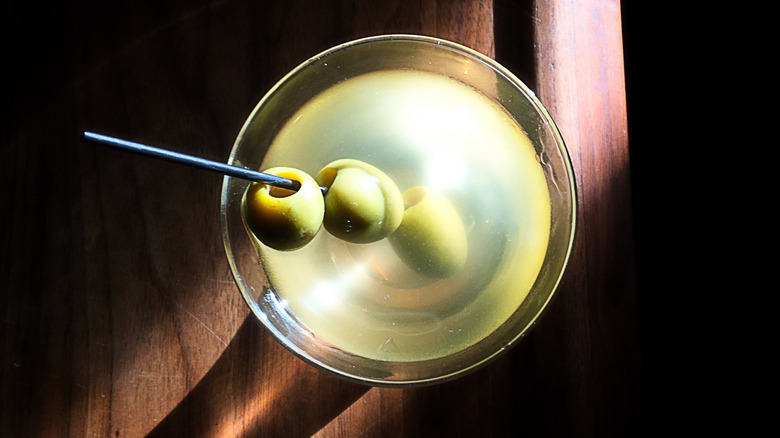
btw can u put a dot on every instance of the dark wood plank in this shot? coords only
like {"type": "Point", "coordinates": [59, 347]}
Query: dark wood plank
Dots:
{"type": "Point", "coordinates": [580, 78]}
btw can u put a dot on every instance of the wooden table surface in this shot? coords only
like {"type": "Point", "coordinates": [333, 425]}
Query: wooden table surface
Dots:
{"type": "Point", "coordinates": [119, 314]}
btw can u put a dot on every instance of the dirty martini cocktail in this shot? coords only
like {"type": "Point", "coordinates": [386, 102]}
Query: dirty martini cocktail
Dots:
{"type": "Point", "coordinates": [431, 250]}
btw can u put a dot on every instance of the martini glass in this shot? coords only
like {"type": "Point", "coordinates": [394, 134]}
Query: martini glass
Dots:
{"type": "Point", "coordinates": [429, 113]}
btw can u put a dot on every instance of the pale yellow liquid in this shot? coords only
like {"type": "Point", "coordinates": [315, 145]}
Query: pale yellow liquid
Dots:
{"type": "Point", "coordinates": [420, 129]}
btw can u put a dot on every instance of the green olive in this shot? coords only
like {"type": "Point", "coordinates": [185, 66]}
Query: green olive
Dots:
{"type": "Point", "coordinates": [363, 204]}
{"type": "Point", "coordinates": [431, 238]}
{"type": "Point", "coordinates": [284, 219]}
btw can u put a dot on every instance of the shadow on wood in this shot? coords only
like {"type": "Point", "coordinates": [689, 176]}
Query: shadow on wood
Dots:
{"type": "Point", "coordinates": [259, 388]}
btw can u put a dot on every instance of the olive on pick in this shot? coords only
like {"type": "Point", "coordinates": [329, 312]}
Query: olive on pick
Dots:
{"type": "Point", "coordinates": [362, 204]}
{"type": "Point", "coordinates": [284, 219]}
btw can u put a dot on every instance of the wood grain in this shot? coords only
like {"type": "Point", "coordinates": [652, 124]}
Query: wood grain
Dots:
{"type": "Point", "coordinates": [119, 313]}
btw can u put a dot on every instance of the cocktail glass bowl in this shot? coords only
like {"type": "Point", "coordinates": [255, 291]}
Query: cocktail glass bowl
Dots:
{"type": "Point", "coordinates": [343, 63]}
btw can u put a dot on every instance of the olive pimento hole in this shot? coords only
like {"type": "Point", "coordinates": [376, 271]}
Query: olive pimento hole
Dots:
{"type": "Point", "coordinates": [328, 176]}
{"type": "Point", "coordinates": [281, 192]}
{"type": "Point", "coordinates": [278, 192]}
